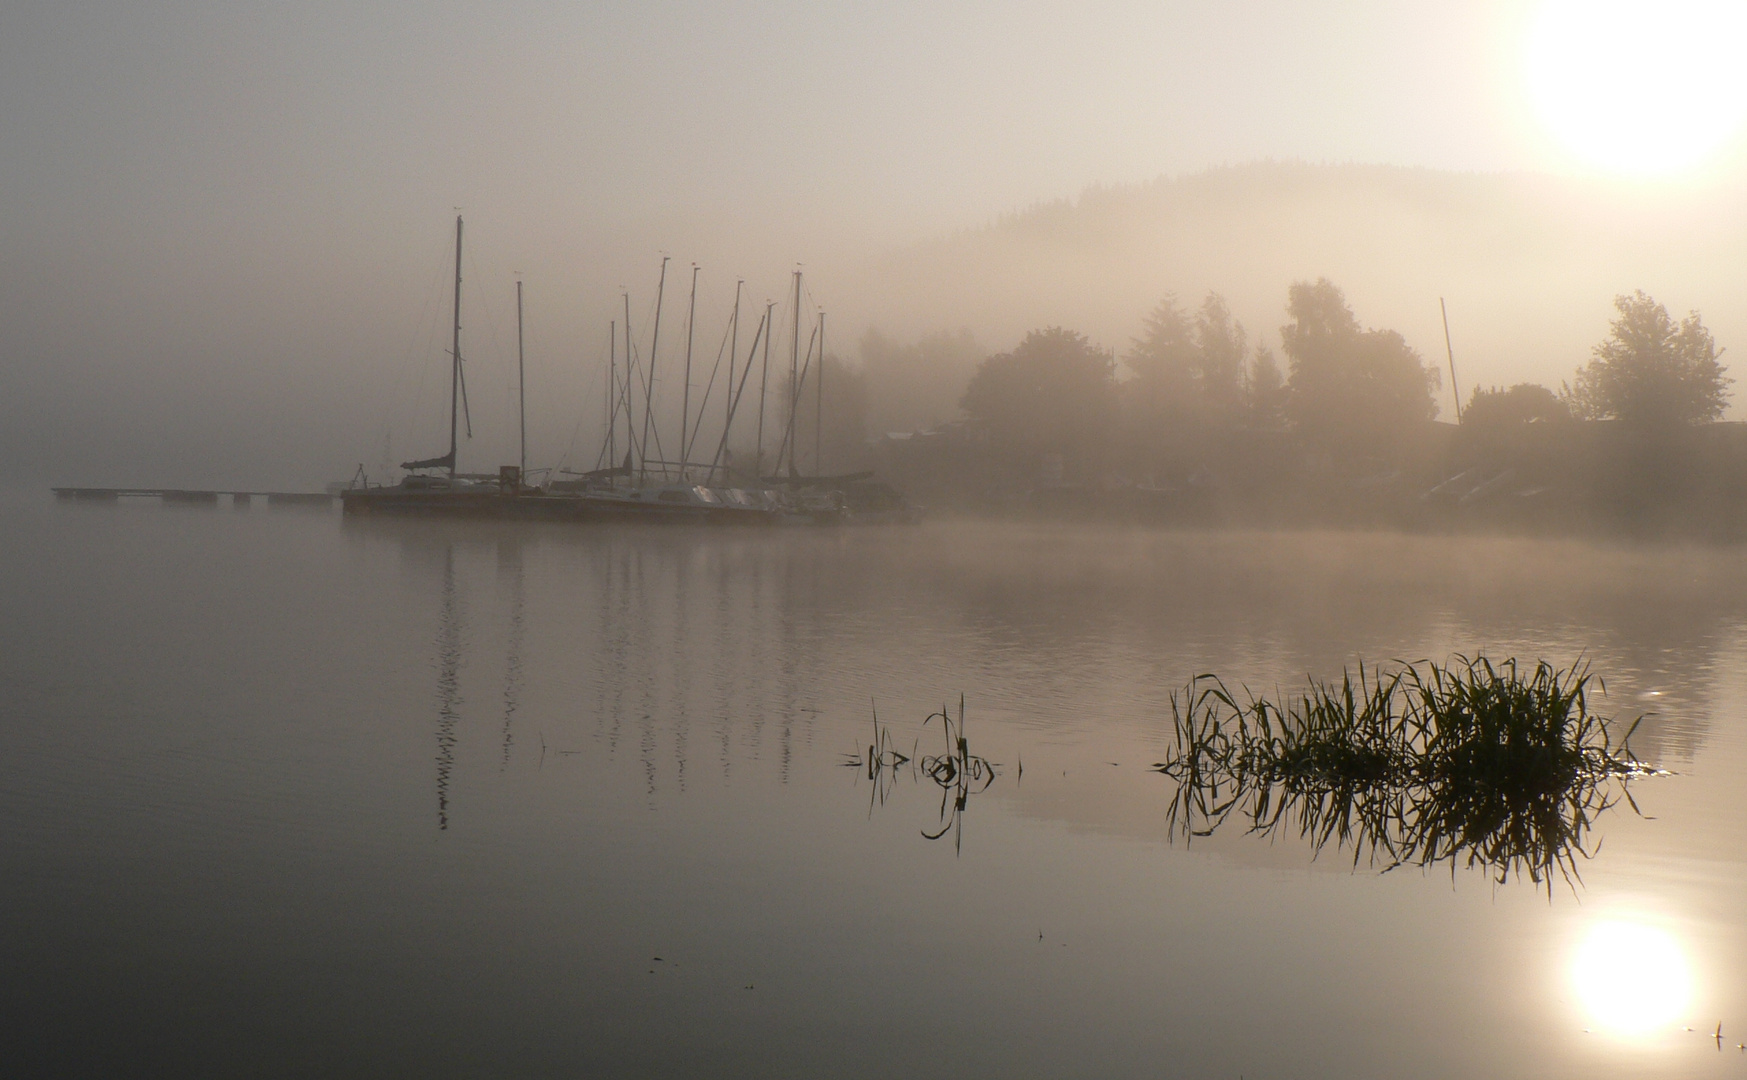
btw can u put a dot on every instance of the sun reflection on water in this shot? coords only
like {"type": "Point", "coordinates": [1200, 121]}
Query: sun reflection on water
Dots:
{"type": "Point", "coordinates": [1631, 977]}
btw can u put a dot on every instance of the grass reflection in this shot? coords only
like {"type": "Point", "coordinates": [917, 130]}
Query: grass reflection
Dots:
{"type": "Point", "coordinates": [1469, 763]}
{"type": "Point", "coordinates": [958, 773]}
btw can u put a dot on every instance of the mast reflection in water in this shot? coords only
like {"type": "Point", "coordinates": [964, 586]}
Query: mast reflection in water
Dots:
{"type": "Point", "coordinates": [448, 685]}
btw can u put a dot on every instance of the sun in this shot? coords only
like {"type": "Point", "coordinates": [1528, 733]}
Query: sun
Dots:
{"type": "Point", "coordinates": [1632, 978]}
{"type": "Point", "coordinates": [1641, 87]}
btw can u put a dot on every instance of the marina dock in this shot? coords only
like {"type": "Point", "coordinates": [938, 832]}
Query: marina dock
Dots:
{"type": "Point", "coordinates": [187, 495]}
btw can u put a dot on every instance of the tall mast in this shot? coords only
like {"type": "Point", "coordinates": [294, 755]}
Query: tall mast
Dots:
{"type": "Point", "coordinates": [819, 404]}
{"type": "Point", "coordinates": [629, 384]}
{"type": "Point", "coordinates": [794, 377]}
{"type": "Point", "coordinates": [685, 397]}
{"type": "Point", "coordinates": [455, 352]}
{"type": "Point", "coordinates": [521, 388]}
{"type": "Point", "coordinates": [734, 403]}
{"type": "Point", "coordinates": [612, 393]}
{"type": "Point", "coordinates": [763, 382]}
{"type": "Point", "coordinates": [728, 416]}
{"type": "Point", "coordinates": [649, 381]}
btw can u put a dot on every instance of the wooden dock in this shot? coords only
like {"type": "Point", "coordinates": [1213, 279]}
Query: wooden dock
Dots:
{"type": "Point", "coordinates": [187, 495]}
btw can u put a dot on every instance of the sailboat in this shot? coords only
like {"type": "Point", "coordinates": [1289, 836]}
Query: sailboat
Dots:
{"type": "Point", "coordinates": [650, 488]}
{"type": "Point", "coordinates": [435, 487]}
{"type": "Point", "coordinates": [432, 485]}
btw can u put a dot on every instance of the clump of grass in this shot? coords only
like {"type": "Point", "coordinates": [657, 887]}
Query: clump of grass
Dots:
{"type": "Point", "coordinates": [1471, 763]}
{"type": "Point", "coordinates": [882, 753]}
{"type": "Point", "coordinates": [882, 761]}
{"type": "Point", "coordinates": [958, 773]}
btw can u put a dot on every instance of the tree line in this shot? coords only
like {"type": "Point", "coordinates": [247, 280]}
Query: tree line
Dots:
{"type": "Point", "coordinates": [1350, 396]}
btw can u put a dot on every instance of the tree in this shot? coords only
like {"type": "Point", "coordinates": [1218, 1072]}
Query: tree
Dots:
{"type": "Point", "coordinates": [1652, 372]}
{"type": "Point", "coordinates": [1351, 391]}
{"type": "Point", "coordinates": [1054, 394]}
{"type": "Point", "coordinates": [1190, 366]}
{"type": "Point", "coordinates": [1497, 409]}
{"type": "Point", "coordinates": [1265, 390]}
{"type": "Point", "coordinates": [1166, 363]}
{"type": "Point", "coordinates": [1220, 345]}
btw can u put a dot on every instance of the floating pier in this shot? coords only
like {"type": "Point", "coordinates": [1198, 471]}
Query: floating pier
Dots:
{"type": "Point", "coordinates": [187, 495]}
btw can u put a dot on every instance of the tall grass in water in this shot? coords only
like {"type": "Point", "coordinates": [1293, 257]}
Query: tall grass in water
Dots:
{"type": "Point", "coordinates": [1471, 763]}
{"type": "Point", "coordinates": [958, 773]}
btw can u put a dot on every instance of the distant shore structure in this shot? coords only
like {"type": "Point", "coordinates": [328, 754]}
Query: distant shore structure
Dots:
{"type": "Point", "coordinates": [187, 495]}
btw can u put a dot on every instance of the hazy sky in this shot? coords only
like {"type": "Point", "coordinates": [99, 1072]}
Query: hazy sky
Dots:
{"type": "Point", "coordinates": [229, 203]}
{"type": "Point", "coordinates": [920, 115]}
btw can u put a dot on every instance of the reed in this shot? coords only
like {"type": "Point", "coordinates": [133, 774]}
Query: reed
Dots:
{"type": "Point", "coordinates": [1471, 763]}
{"type": "Point", "coordinates": [958, 773]}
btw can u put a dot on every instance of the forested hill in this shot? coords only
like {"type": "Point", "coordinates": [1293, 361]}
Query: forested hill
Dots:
{"type": "Point", "coordinates": [1529, 264]}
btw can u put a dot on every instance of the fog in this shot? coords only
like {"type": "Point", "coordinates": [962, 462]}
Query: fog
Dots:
{"type": "Point", "coordinates": [1095, 481]}
{"type": "Point", "coordinates": [226, 232]}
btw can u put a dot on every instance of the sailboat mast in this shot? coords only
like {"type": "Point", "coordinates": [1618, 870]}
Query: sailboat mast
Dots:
{"type": "Point", "coordinates": [629, 385]}
{"type": "Point", "coordinates": [722, 452]}
{"type": "Point", "coordinates": [649, 381]}
{"type": "Point", "coordinates": [612, 392]}
{"type": "Point", "coordinates": [733, 347]}
{"type": "Point", "coordinates": [763, 384]}
{"type": "Point", "coordinates": [455, 352]}
{"type": "Point", "coordinates": [819, 404]}
{"type": "Point", "coordinates": [521, 388]}
{"type": "Point", "coordinates": [685, 397]}
{"type": "Point", "coordinates": [794, 377]}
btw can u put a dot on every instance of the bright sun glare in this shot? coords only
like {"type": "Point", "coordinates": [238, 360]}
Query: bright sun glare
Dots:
{"type": "Point", "coordinates": [1643, 87]}
{"type": "Point", "coordinates": [1631, 978]}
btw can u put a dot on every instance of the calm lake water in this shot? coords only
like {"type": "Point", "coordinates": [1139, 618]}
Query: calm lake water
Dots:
{"type": "Point", "coordinates": [287, 794]}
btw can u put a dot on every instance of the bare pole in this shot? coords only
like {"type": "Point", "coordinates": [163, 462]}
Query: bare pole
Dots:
{"type": "Point", "coordinates": [521, 389]}
{"type": "Point", "coordinates": [455, 352]}
{"type": "Point", "coordinates": [734, 397]}
{"type": "Point", "coordinates": [628, 386]}
{"type": "Point", "coordinates": [763, 385]}
{"type": "Point", "coordinates": [733, 347]}
{"type": "Point", "coordinates": [1454, 389]}
{"type": "Point", "coordinates": [612, 394]}
{"type": "Point", "coordinates": [730, 347]}
{"type": "Point", "coordinates": [794, 379]}
{"type": "Point", "coordinates": [685, 397]}
{"type": "Point", "coordinates": [792, 433]}
{"type": "Point", "coordinates": [819, 404]}
{"type": "Point", "coordinates": [649, 380]}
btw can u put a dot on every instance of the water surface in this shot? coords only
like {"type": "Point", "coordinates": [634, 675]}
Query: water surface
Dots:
{"type": "Point", "coordinates": [289, 794]}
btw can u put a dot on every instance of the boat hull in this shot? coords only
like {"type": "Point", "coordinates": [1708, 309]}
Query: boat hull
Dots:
{"type": "Point", "coordinates": [540, 507]}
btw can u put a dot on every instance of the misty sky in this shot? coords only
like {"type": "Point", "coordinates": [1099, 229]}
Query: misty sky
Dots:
{"type": "Point", "coordinates": [220, 223]}
{"type": "Point", "coordinates": [922, 116]}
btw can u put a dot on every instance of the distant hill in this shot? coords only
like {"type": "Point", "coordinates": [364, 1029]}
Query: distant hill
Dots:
{"type": "Point", "coordinates": [1528, 263]}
